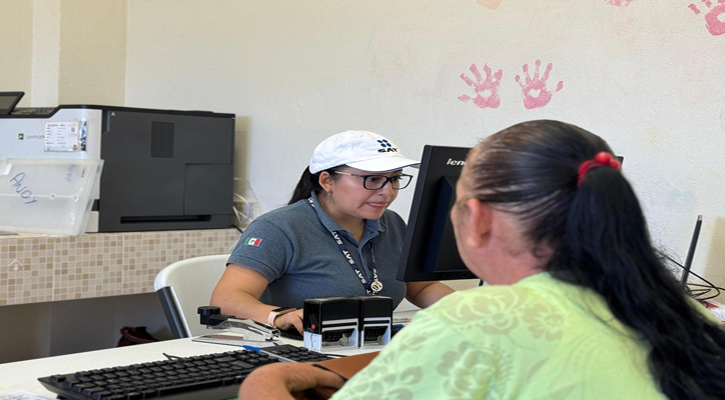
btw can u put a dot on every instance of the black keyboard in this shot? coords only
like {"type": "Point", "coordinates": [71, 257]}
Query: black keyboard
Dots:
{"type": "Point", "coordinates": [289, 353]}
{"type": "Point", "coordinates": [207, 377]}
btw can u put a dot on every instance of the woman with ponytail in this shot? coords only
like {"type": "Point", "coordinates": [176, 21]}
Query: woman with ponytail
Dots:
{"type": "Point", "coordinates": [335, 238]}
{"type": "Point", "coordinates": [577, 304]}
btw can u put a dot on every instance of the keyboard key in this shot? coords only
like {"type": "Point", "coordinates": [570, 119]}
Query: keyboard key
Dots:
{"type": "Point", "coordinates": [164, 391]}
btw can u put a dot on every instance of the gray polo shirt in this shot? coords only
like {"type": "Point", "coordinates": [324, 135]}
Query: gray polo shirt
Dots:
{"type": "Point", "coordinates": [293, 248]}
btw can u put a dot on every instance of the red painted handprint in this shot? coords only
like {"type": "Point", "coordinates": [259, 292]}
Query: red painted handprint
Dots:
{"type": "Point", "coordinates": [486, 89]}
{"type": "Point", "coordinates": [715, 25]}
{"type": "Point", "coordinates": [534, 89]}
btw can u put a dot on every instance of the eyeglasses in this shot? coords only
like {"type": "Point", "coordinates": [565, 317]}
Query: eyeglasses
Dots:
{"type": "Point", "coordinates": [376, 182]}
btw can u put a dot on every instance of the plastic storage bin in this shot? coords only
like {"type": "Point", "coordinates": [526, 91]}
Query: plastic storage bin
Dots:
{"type": "Point", "coordinates": [51, 196]}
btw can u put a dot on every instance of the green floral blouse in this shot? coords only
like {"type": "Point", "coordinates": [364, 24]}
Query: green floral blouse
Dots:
{"type": "Point", "coordinates": [540, 338]}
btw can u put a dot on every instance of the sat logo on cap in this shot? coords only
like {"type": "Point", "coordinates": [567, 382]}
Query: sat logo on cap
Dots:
{"type": "Point", "coordinates": [386, 147]}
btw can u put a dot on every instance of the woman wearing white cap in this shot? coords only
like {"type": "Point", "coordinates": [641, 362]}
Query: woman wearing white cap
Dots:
{"type": "Point", "coordinates": [336, 237]}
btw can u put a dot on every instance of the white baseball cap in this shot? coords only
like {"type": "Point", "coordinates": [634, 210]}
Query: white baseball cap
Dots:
{"type": "Point", "coordinates": [363, 150]}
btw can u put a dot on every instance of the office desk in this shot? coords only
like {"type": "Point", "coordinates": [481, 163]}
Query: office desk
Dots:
{"type": "Point", "coordinates": [23, 375]}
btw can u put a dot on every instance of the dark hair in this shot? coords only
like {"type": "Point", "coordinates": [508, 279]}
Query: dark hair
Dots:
{"type": "Point", "coordinates": [308, 183]}
{"type": "Point", "coordinates": [600, 240]}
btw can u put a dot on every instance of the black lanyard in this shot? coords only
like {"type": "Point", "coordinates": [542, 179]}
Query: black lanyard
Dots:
{"type": "Point", "coordinates": [370, 289]}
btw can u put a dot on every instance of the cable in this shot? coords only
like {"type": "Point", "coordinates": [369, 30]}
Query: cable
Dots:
{"type": "Point", "coordinates": [239, 215]}
{"type": "Point", "coordinates": [701, 290]}
{"type": "Point", "coordinates": [170, 357]}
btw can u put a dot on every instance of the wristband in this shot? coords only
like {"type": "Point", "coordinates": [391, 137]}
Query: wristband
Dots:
{"type": "Point", "coordinates": [276, 313]}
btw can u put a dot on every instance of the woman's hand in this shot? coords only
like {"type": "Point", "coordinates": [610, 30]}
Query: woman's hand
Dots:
{"type": "Point", "coordinates": [289, 320]}
{"type": "Point", "coordinates": [287, 381]}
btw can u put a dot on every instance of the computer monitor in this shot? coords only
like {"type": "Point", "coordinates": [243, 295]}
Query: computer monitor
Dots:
{"type": "Point", "coordinates": [429, 251]}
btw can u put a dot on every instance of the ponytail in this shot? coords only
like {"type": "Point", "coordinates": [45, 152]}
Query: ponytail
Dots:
{"type": "Point", "coordinates": [607, 248]}
{"type": "Point", "coordinates": [308, 184]}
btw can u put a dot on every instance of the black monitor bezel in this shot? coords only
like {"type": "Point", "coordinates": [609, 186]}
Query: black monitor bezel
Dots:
{"type": "Point", "coordinates": [434, 172]}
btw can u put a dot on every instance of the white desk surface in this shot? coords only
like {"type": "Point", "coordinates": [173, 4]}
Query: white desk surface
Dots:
{"type": "Point", "coordinates": [23, 375]}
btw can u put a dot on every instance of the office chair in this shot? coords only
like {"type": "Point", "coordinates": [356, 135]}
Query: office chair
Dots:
{"type": "Point", "coordinates": [185, 285]}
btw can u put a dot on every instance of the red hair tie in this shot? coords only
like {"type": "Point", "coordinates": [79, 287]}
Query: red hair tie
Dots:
{"type": "Point", "coordinates": [601, 159]}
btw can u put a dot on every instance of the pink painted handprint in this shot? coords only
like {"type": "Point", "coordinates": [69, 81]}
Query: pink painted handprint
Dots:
{"type": "Point", "coordinates": [490, 4]}
{"type": "Point", "coordinates": [715, 25]}
{"type": "Point", "coordinates": [486, 89]}
{"type": "Point", "coordinates": [619, 3]}
{"type": "Point", "coordinates": [534, 88]}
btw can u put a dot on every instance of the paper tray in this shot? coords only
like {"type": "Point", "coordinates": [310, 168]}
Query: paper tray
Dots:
{"type": "Point", "coordinates": [51, 196]}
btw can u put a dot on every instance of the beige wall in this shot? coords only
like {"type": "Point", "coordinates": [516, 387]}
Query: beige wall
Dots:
{"type": "Point", "coordinates": [46, 53]}
{"type": "Point", "coordinates": [93, 52]}
{"type": "Point", "coordinates": [16, 31]}
{"type": "Point", "coordinates": [64, 51]}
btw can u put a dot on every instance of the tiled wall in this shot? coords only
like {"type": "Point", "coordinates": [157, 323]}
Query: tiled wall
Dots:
{"type": "Point", "coordinates": [52, 268]}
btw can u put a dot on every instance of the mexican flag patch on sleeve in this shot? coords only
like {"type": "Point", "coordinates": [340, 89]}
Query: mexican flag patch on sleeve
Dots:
{"type": "Point", "coordinates": [253, 242]}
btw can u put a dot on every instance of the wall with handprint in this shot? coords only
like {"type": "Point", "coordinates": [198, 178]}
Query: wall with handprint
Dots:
{"type": "Point", "coordinates": [534, 89]}
{"type": "Point", "coordinates": [714, 15]}
{"type": "Point", "coordinates": [645, 74]}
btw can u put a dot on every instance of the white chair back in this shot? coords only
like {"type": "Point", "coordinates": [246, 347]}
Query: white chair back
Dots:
{"type": "Point", "coordinates": [184, 286]}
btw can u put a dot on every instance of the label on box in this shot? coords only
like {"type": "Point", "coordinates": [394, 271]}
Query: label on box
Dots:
{"type": "Point", "coordinates": [64, 136]}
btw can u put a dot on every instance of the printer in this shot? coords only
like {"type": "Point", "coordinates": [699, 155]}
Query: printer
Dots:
{"type": "Point", "coordinates": [162, 169]}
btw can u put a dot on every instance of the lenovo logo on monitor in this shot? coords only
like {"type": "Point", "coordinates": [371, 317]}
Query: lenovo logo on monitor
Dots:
{"type": "Point", "coordinates": [455, 162]}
